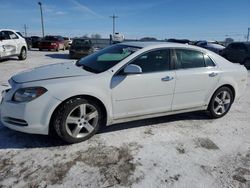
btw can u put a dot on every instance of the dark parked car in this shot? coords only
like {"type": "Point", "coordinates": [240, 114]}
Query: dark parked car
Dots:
{"type": "Point", "coordinates": [29, 42]}
{"type": "Point", "coordinates": [52, 43]}
{"type": "Point", "coordinates": [238, 52]}
{"type": "Point", "coordinates": [181, 41]}
{"type": "Point", "coordinates": [35, 41]}
{"type": "Point", "coordinates": [213, 46]}
{"type": "Point", "coordinates": [80, 48]}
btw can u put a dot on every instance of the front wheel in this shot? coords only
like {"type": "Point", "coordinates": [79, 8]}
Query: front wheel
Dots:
{"type": "Point", "coordinates": [23, 54]}
{"type": "Point", "coordinates": [78, 119]}
{"type": "Point", "coordinates": [220, 103]}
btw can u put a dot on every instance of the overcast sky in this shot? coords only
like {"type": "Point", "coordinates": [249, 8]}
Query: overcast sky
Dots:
{"type": "Point", "coordinates": [192, 19]}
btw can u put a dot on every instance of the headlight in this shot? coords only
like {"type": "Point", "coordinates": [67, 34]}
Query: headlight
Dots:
{"type": "Point", "coordinates": [28, 94]}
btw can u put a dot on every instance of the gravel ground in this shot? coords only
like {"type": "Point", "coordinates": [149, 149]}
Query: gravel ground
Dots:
{"type": "Point", "coordinates": [186, 150]}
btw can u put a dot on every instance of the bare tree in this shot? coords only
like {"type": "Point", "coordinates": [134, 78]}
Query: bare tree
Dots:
{"type": "Point", "coordinates": [148, 39]}
{"type": "Point", "coordinates": [85, 36]}
{"type": "Point", "coordinates": [228, 41]}
{"type": "Point", "coordinates": [96, 36]}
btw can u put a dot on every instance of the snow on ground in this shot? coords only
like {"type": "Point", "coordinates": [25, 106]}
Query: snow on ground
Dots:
{"type": "Point", "coordinates": [186, 150]}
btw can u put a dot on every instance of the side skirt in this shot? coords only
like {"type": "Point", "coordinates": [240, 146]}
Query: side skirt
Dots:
{"type": "Point", "coordinates": [133, 118]}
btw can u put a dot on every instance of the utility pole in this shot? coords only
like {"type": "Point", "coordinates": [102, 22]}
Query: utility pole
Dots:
{"type": "Point", "coordinates": [41, 10]}
{"type": "Point", "coordinates": [248, 34]}
{"type": "Point", "coordinates": [25, 30]}
{"type": "Point", "coordinates": [114, 17]}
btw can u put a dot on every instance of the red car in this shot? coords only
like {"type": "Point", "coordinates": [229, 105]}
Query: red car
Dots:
{"type": "Point", "coordinates": [52, 43]}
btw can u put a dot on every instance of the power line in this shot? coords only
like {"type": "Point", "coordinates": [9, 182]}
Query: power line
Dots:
{"type": "Point", "coordinates": [114, 17]}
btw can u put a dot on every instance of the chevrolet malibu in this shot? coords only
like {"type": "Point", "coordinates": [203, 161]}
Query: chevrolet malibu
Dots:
{"type": "Point", "coordinates": [123, 82]}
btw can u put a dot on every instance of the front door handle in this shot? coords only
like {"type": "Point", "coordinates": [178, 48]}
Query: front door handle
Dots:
{"type": "Point", "coordinates": [213, 74]}
{"type": "Point", "coordinates": [167, 78]}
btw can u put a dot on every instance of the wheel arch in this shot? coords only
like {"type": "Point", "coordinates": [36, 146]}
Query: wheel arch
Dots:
{"type": "Point", "coordinates": [23, 47]}
{"type": "Point", "coordinates": [103, 107]}
{"type": "Point", "coordinates": [224, 85]}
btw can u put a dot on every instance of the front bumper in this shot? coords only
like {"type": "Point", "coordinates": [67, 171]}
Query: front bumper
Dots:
{"type": "Point", "coordinates": [31, 117]}
{"type": "Point", "coordinates": [48, 47]}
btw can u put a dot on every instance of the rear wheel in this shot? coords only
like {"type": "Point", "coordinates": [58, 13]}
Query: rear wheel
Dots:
{"type": "Point", "coordinates": [23, 54]}
{"type": "Point", "coordinates": [78, 120]}
{"type": "Point", "coordinates": [220, 103]}
{"type": "Point", "coordinates": [247, 63]}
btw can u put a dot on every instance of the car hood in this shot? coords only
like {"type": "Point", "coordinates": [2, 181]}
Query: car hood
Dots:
{"type": "Point", "coordinates": [53, 71]}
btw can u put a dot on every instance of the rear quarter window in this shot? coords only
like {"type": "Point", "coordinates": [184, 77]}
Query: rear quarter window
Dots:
{"type": "Point", "coordinates": [208, 61]}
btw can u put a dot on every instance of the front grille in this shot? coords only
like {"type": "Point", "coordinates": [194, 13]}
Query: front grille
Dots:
{"type": "Point", "coordinates": [45, 43]}
{"type": "Point", "coordinates": [15, 121]}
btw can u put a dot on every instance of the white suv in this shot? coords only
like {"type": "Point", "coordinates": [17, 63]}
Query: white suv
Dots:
{"type": "Point", "coordinates": [12, 44]}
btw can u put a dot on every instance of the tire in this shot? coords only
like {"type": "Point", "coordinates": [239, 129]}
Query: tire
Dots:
{"type": "Point", "coordinates": [220, 102]}
{"type": "Point", "coordinates": [40, 49]}
{"type": "Point", "coordinates": [73, 124]}
{"type": "Point", "coordinates": [57, 49]}
{"type": "Point", "coordinates": [23, 54]}
{"type": "Point", "coordinates": [247, 63]}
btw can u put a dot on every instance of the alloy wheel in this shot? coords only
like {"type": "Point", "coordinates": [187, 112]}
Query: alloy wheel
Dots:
{"type": "Point", "coordinates": [222, 103]}
{"type": "Point", "coordinates": [23, 53]}
{"type": "Point", "coordinates": [82, 120]}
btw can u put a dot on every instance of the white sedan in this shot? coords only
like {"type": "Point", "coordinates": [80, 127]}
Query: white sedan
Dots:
{"type": "Point", "coordinates": [12, 44]}
{"type": "Point", "coordinates": [123, 82]}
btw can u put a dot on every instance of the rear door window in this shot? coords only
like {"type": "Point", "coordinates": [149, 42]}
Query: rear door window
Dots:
{"type": "Point", "coordinates": [186, 59]}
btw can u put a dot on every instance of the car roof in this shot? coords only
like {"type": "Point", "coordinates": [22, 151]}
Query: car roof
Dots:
{"type": "Point", "coordinates": [162, 44]}
{"type": "Point", "coordinates": [9, 30]}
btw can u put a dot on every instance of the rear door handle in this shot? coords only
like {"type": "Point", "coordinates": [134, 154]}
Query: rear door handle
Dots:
{"type": "Point", "coordinates": [167, 78]}
{"type": "Point", "coordinates": [213, 74]}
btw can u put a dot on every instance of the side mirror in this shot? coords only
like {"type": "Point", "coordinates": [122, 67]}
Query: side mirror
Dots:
{"type": "Point", "coordinates": [132, 69]}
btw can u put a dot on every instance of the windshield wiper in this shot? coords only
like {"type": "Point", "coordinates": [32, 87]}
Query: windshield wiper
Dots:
{"type": "Point", "coordinates": [89, 69]}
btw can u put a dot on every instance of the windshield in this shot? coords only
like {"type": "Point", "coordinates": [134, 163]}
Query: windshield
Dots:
{"type": "Point", "coordinates": [106, 58]}
{"type": "Point", "coordinates": [19, 34]}
{"type": "Point", "coordinates": [53, 38]}
{"type": "Point", "coordinates": [81, 43]}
